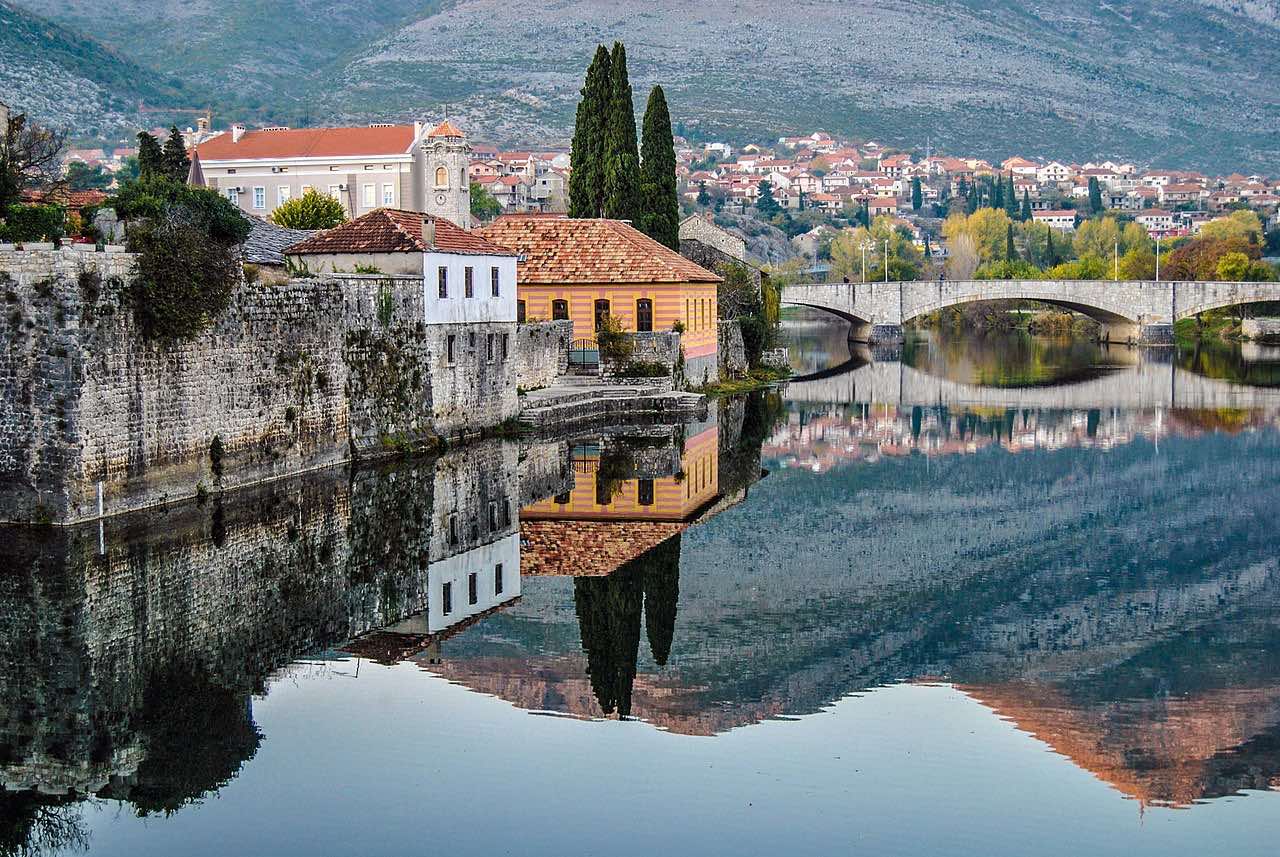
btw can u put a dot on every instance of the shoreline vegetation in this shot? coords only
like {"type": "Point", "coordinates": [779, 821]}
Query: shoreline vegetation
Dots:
{"type": "Point", "coordinates": [756, 379]}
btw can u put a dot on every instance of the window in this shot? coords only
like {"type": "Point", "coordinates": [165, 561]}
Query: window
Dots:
{"type": "Point", "coordinates": [604, 491]}
{"type": "Point", "coordinates": [449, 345]}
{"type": "Point", "coordinates": [497, 579]}
{"type": "Point", "coordinates": [367, 195]}
{"type": "Point", "coordinates": [644, 315]}
{"type": "Point", "coordinates": [259, 197]}
{"type": "Point", "coordinates": [468, 282]}
{"type": "Point", "coordinates": [602, 312]}
{"type": "Point", "coordinates": [493, 517]}
{"type": "Point", "coordinates": [471, 340]}
{"type": "Point", "coordinates": [559, 310]}
{"type": "Point", "coordinates": [562, 499]}
{"type": "Point", "coordinates": [493, 281]}
{"type": "Point", "coordinates": [453, 529]}
{"type": "Point", "coordinates": [490, 346]}
{"type": "Point", "coordinates": [644, 492]}
{"type": "Point", "coordinates": [475, 530]}
{"type": "Point", "coordinates": [388, 195]}
{"type": "Point", "coordinates": [442, 281]}
{"type": "Point", "coordinates": [335, 190]}
{"type": "Point", "coordinates": [446, 598]}
{"type": "Point", "coordinates": [233, 195]}
{"type": "Point", "coordinates": [462, 180]}
{"type": "Point", "coordinates": [473, 593]}
{"type": "Point", "coordinates": [520, 312]}
{"type": "Point", "coordinates": [688, 317]}
{"type": "Point", "coordinates": [505, 344]}
{"type": "Point", "coordinates": [442, 177]}
{"type": "Point", "coordinates": [506, 513]}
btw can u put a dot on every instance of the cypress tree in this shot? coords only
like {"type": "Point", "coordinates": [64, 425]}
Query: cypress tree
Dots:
{"type": "Point", "coordinates": [704, 198]}
{"type": "Point", "coordinates": [1095, 196]}
{"type": "Point", "coordinates": [660, 213]}
{"type": "Point", "coordinates": [916, 196]}
{"type": "Point", "coordinates": [621, 156]}
{"type": "Point", "coordinates": [1050, 253]}
{"type": "Point", "coordinates": [971, 200]}
{"type": "Point", "coordinates": [997, 193]}
{"type": "Point", "coordinates": [1025, 214]}
{"type": "Point", "coordinates": [586, 181]}
{"type": "Point", "coordinates": [1011, 200]}
{"type": "Point", "coordinates": [150, 157]}
{"type": "Point", "coordinates": [176, 163]}
{"type": "Point", "coordinates": [1010, 252]}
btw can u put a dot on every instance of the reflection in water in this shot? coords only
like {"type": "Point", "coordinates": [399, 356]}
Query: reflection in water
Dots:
{"type": "Point", "coordinates": [1113, 589]}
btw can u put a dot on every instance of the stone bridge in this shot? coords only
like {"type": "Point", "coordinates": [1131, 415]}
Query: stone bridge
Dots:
{"type": "Point", "coordinates": [1144, 385]}
{"type": "Point", "coordinates": [1131, 311]}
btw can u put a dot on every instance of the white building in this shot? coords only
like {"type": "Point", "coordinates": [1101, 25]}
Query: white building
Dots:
{"type": "Point", "coordinates": [1058, 219]}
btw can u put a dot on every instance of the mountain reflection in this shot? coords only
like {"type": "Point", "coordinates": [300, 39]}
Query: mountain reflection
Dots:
{"type": "Point", "coordinates": [1116, 599]}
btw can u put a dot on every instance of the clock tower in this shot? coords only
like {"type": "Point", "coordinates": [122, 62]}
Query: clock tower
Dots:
{"type": "Point", "coordinates": [448, 186]}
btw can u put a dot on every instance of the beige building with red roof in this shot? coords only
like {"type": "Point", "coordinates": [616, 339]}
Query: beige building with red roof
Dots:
{"type": "Point", "coordinates": [586, 269]}
{"type": "Point", "coordinates": [370, 167]}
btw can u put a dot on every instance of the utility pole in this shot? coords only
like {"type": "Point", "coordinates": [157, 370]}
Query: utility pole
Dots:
{"type": "Point", "coordinates": [886, 260]}
{"type": "Point", "coordinates": [1117, 273]}
{"type": "Point", "coordinates": [1157, 257]}
{"type": "Point", "coordinates": [864, 261]}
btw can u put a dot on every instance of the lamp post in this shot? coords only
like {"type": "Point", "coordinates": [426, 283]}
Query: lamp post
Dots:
{"type": "Point", "coordinates": [864, 261]}
{"type": "Point", "coordinates": [1116, 277]}
{"type": "Point", "coordinates": [1157, 257]}
{"type": "Point", "coordinates": [886, 260]}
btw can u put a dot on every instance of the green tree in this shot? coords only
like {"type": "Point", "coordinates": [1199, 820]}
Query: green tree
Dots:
{"type": "Point", "coordinates": [916, 196]}
{"type": "Point", "coordinates": [704, 198]}
{"type": "Point", "coordinates": [1010, 251]}
{"type": "Point", "coordinates": [177, 165]}
{"type": "Point", "coordinates": [30, 159]}
{"type": "Point", "coordinates": [484, 205]}
{"type": "Point", "coordinates": [1234, 267]}
{"type": "Point", "coordinates": [1095, 196]}
{"type": "Point", "coordinates": [1025, 214]}
{"type": "Point", "coordinates": [1011, 199]}
{"type": "Point", "coordinates": [586, 181]}
{"type": "Point", "coordinates": [660, 202]}
{"type": "Point", "coordinates": [312, 210]}
{"type": "Point", "coordinates": [765, 203]}
{"type": "Point", "coordinates": [1050, 252]}
{"type": "Point", "coordinates": [151, 161]}
{"type": "Point", "coordinates": [81, 176]}
{"type": "Point", "coordinates": [621, 155]}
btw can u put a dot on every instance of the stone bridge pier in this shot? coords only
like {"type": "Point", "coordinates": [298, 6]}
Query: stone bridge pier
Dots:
{"type": "Point", "coordinates": [1136, 312]}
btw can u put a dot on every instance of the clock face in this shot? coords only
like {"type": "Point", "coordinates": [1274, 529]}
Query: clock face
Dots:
{"type": "Point", "coordinates": [439, 199]}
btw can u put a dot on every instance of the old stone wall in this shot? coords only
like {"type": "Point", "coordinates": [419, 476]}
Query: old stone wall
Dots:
{"type": "Point", "coordinates": [542, 353]}
{"type": "Point", "coordinates": [292, 377]}
{"type": "Point", "coordinates": [660, 347]}
{"type": "Point", "coordinates": [731, 349]}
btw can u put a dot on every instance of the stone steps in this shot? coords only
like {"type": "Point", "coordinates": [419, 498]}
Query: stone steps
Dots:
{"type": "Point", "coordinates": [562, 407]}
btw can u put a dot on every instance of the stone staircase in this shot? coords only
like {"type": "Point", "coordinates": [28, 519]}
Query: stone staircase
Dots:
{"type": "Point", "coordinates": [577, 400]}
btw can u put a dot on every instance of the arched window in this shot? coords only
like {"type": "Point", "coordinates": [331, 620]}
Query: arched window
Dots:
{"type": "Point", "coordinates": [442, 177]}
{"type": "Point", "coordinates": [463, 181]}
{"type": "Point", "coordinates": [559, 310]}
{"type": "Point", "coordinates": [644, 315]}
{"type": "Point", "coordinates": [602, 312]}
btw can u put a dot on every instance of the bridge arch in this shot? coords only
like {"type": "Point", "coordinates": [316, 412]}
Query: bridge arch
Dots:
{"type": "Point", "coordinates": [1193, 298]}
{"type": "Point", "coordinates": [1089, 298]}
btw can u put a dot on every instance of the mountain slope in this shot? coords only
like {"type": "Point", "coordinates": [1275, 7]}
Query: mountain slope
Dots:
{"type": "Point", "coordinates": [64, 78]}
{"type": "Point", "coordinates": [1188, 84]}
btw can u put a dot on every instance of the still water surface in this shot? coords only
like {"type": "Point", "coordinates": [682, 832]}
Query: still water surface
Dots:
{"type": "Point", "coordinates": [995, 596]}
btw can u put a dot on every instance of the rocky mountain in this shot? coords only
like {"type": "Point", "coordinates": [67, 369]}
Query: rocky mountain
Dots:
{"type": "Point", "coordinates": [1173, 84]}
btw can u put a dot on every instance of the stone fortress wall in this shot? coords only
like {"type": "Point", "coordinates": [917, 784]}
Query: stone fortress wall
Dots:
{"type": "Point", "coordinates": [292, 377]}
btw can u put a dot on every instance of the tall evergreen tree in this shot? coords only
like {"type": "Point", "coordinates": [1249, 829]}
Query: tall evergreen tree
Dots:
{"type": "Point", "coordinates": [621, 156]}
{"type": "Point", "coordinates": [1011, 199]}
{"type": "Point", "coordinates": [1095, 196]}
{"type": "Point", "coordinates": [765, 203]}
{"type": "Point", "coordinates": [1025, 214]}
{"type": "Point", "coordinates": [586, 181]}
{"type": "Point", "coordinates": [997, 193]}
{"type": "Point", "coordinates": [1010, 252]}
{"type": "Point", "coordinates": [704, 198]}
{"type": "Point", "coordinates": [177, 165]}
{"type": "Point", "coordinates": [916, 196]}
{"type": "Point", "coordinates": [1050, 252]}
{"type": "Point", "coordinates": [971, 200]}
{"type": "Point", "coordinates": [151, 161]}
{"type": "Point", "coordinates": [660, 202]}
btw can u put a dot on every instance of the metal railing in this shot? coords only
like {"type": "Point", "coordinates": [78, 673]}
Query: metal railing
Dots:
{"type": "Point", "coordinates": [584, 356]}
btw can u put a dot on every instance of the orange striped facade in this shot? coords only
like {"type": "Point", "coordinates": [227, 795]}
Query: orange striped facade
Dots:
{"type": "Point", "coordinates": [691, 304]}
{"type": "Point", "coordinates": [674, 498]}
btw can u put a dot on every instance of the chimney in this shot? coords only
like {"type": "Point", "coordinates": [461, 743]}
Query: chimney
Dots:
{"type": "Point", "coordinates": [428, 232]}
{"type": "Point", "coordinates": [417, 130]}
{"type": "Point", "coordinates": [202, 124]}
{"type": "Point", "coordinates": [237, 131]}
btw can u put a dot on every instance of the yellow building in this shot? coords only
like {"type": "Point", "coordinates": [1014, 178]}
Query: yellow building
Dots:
{"type": "Point", "coordinates": [587, 269]}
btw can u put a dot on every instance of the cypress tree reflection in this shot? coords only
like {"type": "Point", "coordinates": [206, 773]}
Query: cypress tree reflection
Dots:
{"type": "Point", "coordinates": [661, 577]}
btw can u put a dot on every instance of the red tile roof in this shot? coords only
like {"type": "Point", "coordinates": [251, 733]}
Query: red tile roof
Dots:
{"type": "Point", "coordinates": [378, 140]}
{"type": "Point", "coordinates": [557, 250]}
{"type": "Point", "coordinates": [445, 129]}
{"type": "Point", "coordinates": [391, 230]}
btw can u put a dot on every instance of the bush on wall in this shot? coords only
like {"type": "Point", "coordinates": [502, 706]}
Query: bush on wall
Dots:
{"type": "Point", "coordinates": [188, 265]}
{"type": "Point", "coordinates": [33, 223]}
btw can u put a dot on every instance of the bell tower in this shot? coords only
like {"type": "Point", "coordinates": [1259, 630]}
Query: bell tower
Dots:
{"type": "Point", "coordinates": [448, 186]}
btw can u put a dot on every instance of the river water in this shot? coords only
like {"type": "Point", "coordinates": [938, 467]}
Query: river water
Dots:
{"type": "Point", "coordinates": [977, 595]}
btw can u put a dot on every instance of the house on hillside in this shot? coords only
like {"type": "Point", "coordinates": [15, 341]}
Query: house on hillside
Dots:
{"type": "Point", "coordinates": [1058, 218]}
{"type": "Point", "coordinates": [586, 270]}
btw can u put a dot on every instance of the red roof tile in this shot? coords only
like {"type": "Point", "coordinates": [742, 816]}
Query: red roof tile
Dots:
{"type": "Point", "coordinates": [558, 250]}
{"type": "Point", "coordinates": [445, 129]}
{"type": "Point", "coordinates": [378, 140]}
{"type": "Point", "coordinates": [391, 230]}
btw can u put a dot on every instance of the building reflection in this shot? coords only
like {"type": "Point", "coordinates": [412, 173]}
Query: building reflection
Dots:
{"type": "Point", "coordinates": [132, 650]}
